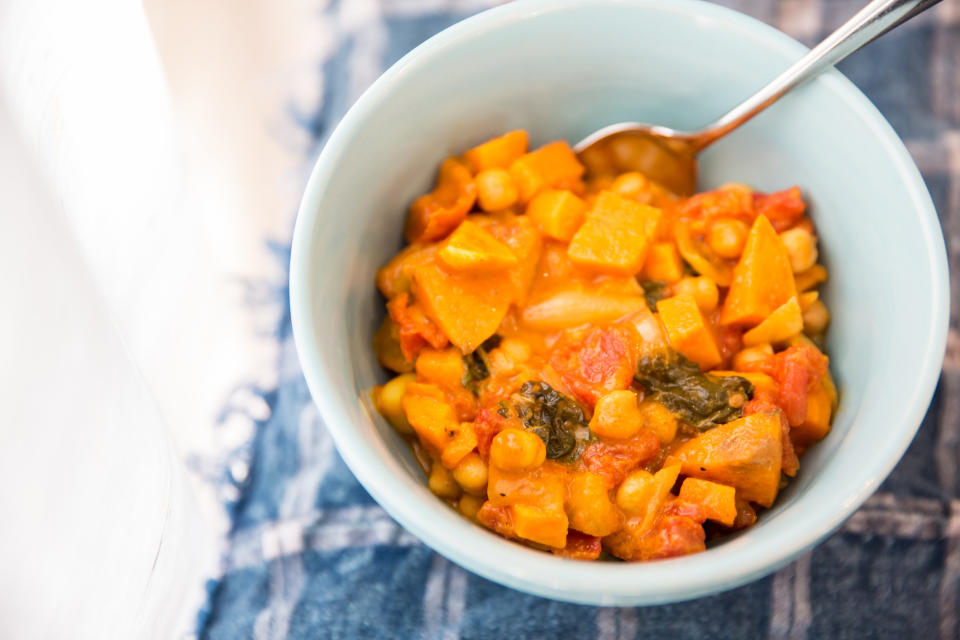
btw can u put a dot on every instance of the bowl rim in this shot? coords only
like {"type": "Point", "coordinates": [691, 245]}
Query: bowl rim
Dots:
{"type": "Point", "coordinates": [544, 574]}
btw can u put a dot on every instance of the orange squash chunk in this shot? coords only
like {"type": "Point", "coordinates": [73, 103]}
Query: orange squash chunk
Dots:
{"type": "Point", "coordinates": [687, 330]}
{"type": "Point", "coordinates": [525, 242]}
{"type": "Point", "coordinates": [817, 274]}
{"type": "Point", "coordinates": [718, 501]}
{"type": "Point", "coordinates": [663, 263]}
{"type": "Point", "coordinates": [762, 280]}
{"type": "Point", "coordinates": [785, 322]}
{"type": "Point", "coordinates": [434, 215]}
{"type": "Point", "coordinates": [430, 415]}
{"type": "Point", "coordinates": [443, 367]}
{"type": "Point", "coordinates": [816, 424]}
{"type": "Point", "coordinates": [396, 276]}
{"type": "Point", "coordinates": [615, 236]}
{"type": "Point", "coordinates": [558, 214]}
{"type": "Point", "coordinates": [547, 167]}
{"type": "Point", "coordinates": [498, 153]}
{"type": "Point", "coordinates": [472, 248]}
{"type": "Point", "coordinates": [467, 307]}
{"type": "Point", "coordinates": [537, 524]}
{"type": "Point", "coordinates": [745, 454]}
{"type": "Point", "coordinates": [460, 446]}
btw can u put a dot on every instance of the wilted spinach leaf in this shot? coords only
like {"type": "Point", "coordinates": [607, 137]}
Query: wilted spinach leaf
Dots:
{"type": "Point", "coordinates": [699, 399]}
{"type": "Point", "coordinates": [654, 292]}
{"type": "Point", "coordinates": [475, 364]}
{"type": "Point", "coordinates": [554, 417]}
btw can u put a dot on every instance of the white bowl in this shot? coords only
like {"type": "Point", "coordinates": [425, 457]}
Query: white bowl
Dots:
{"type": "Point", "coordinates": [560, 69]}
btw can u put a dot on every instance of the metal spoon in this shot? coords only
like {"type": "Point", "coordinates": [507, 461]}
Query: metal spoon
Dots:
{"type": "Point", "coordinates": [668, 156]}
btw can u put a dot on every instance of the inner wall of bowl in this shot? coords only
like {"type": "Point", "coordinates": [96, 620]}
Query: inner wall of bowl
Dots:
{"type": "Point", "coordinates": [564, 75]}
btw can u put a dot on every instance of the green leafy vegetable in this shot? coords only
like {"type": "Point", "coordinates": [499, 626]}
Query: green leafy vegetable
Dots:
{"type": "Point", "coordinates": [556, 419]}
{"type": "Point", "coordinates": [654, 292]}
{"type": "Point", "coordinates": [699, 399]}
{"type": "Point", "coordinates": [476, 364]}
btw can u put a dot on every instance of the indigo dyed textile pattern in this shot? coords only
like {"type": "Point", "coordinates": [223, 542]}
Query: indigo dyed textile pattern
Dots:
{"type": "Point", "coordinates": [312, 556]}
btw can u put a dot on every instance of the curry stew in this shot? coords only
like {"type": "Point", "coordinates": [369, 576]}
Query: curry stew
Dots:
{"type": "Point", "coordinates": [593, 366]}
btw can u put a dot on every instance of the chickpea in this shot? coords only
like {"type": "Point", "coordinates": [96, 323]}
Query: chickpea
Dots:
{"type": "Point", "coordinates": [471, 474]}
{"type": "Point", "coordinates": [617, 415]}
{"type": "Point", "coordinates": [746, 357]}
{"type": "Point", "coordinates": [441, 481]}
{"type": "Point", "coordinates": [801, 246]}
{"type": "Point", "coordinates": [658, 419]}
{"type": "Point", "coordinates": [390, 402]}
{"type": "Point", "coordinates": [495, 190]}
{"type": "Point", "coordinates": [635, 491]}
{"type": "Point", "coordinates": [517, 450]}
{"type": "Point", "coordinates": [727, 237]}
{"type": "Point", "coordinates": [517, 350]}
{"type": "Point", "coordinates": [631, 185]}
{"type": "Point", "coordinates": [469, 505]}
{"type": "Point", "coordinates": [816, 318]}
{"type": "Point", "coordinates": [703, 289]}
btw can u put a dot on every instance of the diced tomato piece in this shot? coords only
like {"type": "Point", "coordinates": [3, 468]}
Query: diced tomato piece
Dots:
{"type": "Point", "coordinates": [416, 329]}
{"type": "Point", "coordinates": [733, 202]}
{"type": "Point", "coordinates": [497, 518]}
{"type": "Point", "coordinates": [782, 208]}
{"type": "Point", "coordinates": [680, 507]}
{"type": "Point", "coordinates": [797, 370]}
{"type": "Point", "coordinates": [596, 361]}
{"type": "Point", "coordinates": [614, 461]}
{"type": "Point", "coordinates": [672, 535]}
{"type": "Point", "coordinates": [580, 546]}
{"type": "Point", "coordinates": [487, 425]}
{"type": "Point", "coordinates": [675, 536]}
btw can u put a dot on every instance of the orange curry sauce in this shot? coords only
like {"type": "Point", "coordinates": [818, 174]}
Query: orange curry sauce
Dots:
{"type": "Point", "coordinates": [589, 364]}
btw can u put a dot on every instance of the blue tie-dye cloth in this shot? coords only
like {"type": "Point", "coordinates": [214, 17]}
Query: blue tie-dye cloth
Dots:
{"type": "Point", "coordinates": [312, 556]}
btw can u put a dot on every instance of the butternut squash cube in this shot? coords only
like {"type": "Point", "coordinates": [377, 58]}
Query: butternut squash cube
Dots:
{"type": "Point", "coordinates": [745, 454]}
{"type": "Point", "coordinates": [816, 425]}
{"type": "Point", "coordinates": [558, 214]}
{"type": "Point", "coordinates": [815, 275]}
{"type": "Point", "coordinates": [460, 446]}
{"type": "Point", "coordinates": [521, 236]}
{"type": "Point", "coordinates": [687, 330]}
{"type": "Point", "coordinates": [615, 236]}
{"type": "Point", "coordinates": [663, 263]}
{"type": "Point", "coordinates": [467, 307]}
{"type": "Point", "coordinates": [430, 415]}
{"type": "Point", "coordinates": [546, 526]}
{"type": "Point", "coordinates": [762, 280]}
{"type": "Point", "coordinates": [784, 322]}
{"type": "Point", "coordinates": [473, 248]}
{"type": "Point", "coordinates": [718, 501]}
{"type": "Point", "coordinates": [443, 367]}
{"type": "Point", "coordinates": [498, 153]}
{"type": "Point", "coordinates": [547, 167]}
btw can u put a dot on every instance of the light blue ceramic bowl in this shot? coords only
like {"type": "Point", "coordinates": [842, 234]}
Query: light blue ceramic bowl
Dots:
{"type": "Point", "coordinates": [560, 69]}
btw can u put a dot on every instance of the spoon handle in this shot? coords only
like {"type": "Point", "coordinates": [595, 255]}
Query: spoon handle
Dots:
{"type": "Point", "coordinates": [871, 22]}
